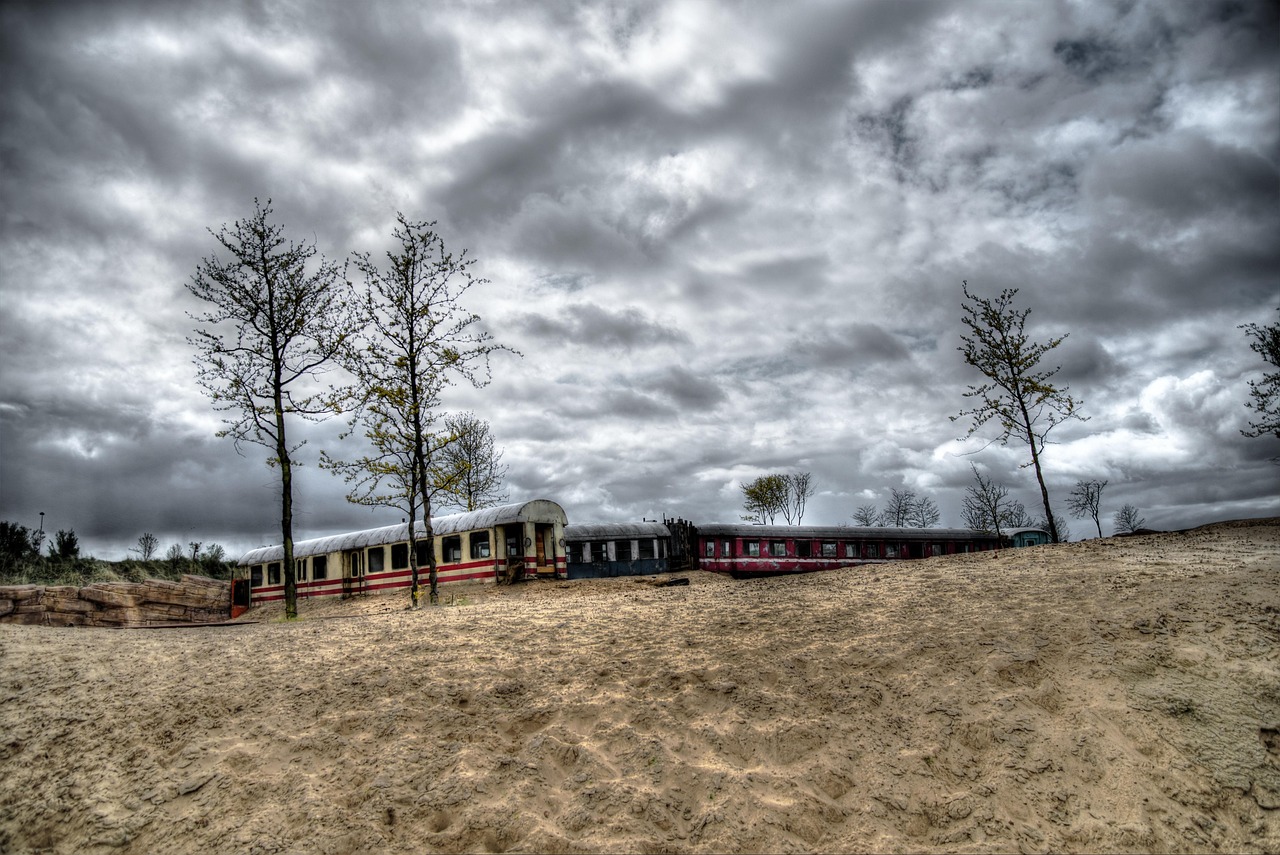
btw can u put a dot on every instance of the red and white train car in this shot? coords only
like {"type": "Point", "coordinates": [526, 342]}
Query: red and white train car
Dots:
{"type": "Point", "coordinates": [769, 550]}
{"type": "Point", "coordinates": [522, 539]}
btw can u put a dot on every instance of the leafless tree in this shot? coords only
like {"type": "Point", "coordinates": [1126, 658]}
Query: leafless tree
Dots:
{"type": "Point", "coordinates": [801, 484]}
{"type": "Point", "coordinates": [898, 510]}
{"type": "Point", "coordinates": [866, 515]}
{"type": "Point", "coordinates": [1086, 500]}
{"type": "Point", "coordinates": [148, 543]}
{"type": "Point", "coordinates": [1127, 519]}
{"type": "Point", "coordinates": [924, 513]}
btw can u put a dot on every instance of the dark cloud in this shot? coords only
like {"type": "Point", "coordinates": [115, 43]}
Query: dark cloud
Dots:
{"type": "Point", "coordinates": [588, 325]}
{"type": "Point", "coordinates": [687, 390]}
{"type": "Point", "coordinates": [726, 240]}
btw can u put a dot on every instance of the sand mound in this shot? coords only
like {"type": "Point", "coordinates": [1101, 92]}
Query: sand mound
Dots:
{"type": "Point", "coordinates": [1114, 695]}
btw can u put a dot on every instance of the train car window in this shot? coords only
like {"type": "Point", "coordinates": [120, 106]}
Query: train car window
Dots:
{"type": "Point", "coordinates": [451, 547]}
{"type": "Point", "coordinates": [752, 547]}
{"type": "Point", "coordinates": [377, 559]}
{"type": "Point", "coordinates": [871, 550]}
{"type": "Point", "coordinates": [399, 556]}
{"type": "Point", "coordinates": [935, 549]}
{"type": "Point", "coordinates": [646, 550]}
{"type": "Point", "coordinates": [804, 548]}
{"type": "Point", "coordinates": [851, 550]}
{"type": "Point", "coordinates": [320, 567]}
{"type": "Point", "coordinates": [575, 553]}
{"type": "Point", "coordinates": [725, 548]}
{"type": "Point", "coordinates": [273, 573]}
{"type": "Point", "coordinates": [777, 548]}
{"type": "Point", "coordinates": [891, 550]}
{"type": "Point", "coordinates": [421, 552]}
{"type": "Point", "coordinates": [709, 549]}
{"type": "Point", "coordinates": [255, 576]}
{"type": "Point", "coordinates": [622, 550]}
{"type": "Point", "coordinates": [479, 544]}
{"type": "Point", "coordinates": [600, 552]}
{"type": "Point", "coordinates": [662, 548]}
{"type": "Point", "coordinates": [300, 569]}
{"type": "Point", "coordinates": [828, 549]}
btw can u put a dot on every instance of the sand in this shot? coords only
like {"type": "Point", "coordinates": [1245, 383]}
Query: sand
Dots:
{"type": "Point", "coordinates": [1120, 695]}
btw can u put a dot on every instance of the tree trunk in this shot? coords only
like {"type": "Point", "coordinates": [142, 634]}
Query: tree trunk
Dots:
{"type": "Point", "coordinates": [1044, 495]}
{"type": "Point", "coordinates": [415, 592]}
{"type": "Point", "coordinates": [286, 524]}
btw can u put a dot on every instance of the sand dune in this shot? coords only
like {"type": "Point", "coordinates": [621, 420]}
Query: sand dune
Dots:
{"type": "Point", "coordinates": [1115, 695]}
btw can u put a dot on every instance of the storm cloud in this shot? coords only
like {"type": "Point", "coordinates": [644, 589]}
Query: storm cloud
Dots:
{"type": "Point", "coordinates": [724, 239]}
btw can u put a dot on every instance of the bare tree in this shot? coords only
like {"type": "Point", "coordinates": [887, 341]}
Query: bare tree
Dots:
{"type": "Point", "coordinates": [924, 513]}
{"type": "Point", "coordinates": [416, 338]}
{"type": "Point", "coordinates": [1266, 392]}
{"type": "Point", "coordinates": [802, 490]}
{"type": "Point", "coordinates": [1127, 519]}
{"type": "Point", "coordinates": [1059, 525]}
{"type": "Point", "coordinates": [1018, 516]}
{"type": "Point", "coordinates": [470, 469]}
{"type": "Point", "coordinates": [765, 498]}
{"type": "Point", "coordinates": [986, 505]}
{"type": "Point", "coordinates": [897, 511]}
{"type": "Point", "coordinates": [275, 325]}
{"type": "Point", "coordinates": [1086, 500]}
{"type": "Point", "coordinates": [1019, 396]}
{"type": "Point", "coordinates": [148, 543]}
{"type": "Point", "coordinates": [866, 515]}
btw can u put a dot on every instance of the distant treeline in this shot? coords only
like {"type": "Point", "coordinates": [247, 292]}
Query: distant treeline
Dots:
{"type": "Point", "coordinates": [22, 561]}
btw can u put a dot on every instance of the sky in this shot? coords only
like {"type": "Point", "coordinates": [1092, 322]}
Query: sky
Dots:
{"type": "Point", "coordinates": [726, 238]}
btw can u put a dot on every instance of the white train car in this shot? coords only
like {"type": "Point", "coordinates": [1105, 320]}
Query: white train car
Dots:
{"type": "Point", "coordinates": [520, 540]}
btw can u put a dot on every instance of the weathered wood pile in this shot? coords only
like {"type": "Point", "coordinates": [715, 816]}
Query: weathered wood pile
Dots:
{"type": "Point", "coordinates": [195, 599]}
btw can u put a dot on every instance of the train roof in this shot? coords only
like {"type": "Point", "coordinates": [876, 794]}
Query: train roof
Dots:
{"type": "Point", "coordinates": [837, 532]}
{"type": "Point", "coordinates": [536, 511]}
{"type": "Point", "coordinates": [614, 531]}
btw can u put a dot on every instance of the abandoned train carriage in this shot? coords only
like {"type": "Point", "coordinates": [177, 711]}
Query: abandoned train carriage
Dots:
{"type": "Point", "coordinates": [598, 550]}
{"type": "Point", "coordinates": [765, 550]}
{"type": "Point", "coordinates": [525, 539]}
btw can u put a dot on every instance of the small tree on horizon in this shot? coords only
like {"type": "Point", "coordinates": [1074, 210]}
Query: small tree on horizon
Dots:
{"type": "Point", "coordinates": [470, 467]}
{"type": "Point", "coordinates": [907, 510]}
{"type": "Point", "coordinates": [987, 506]}
{"type": "Point", "coordinates": [148, 543]}
{"type": "Point", "coordinates": [1127, 519]}
{"type": "Point", "coordinates": [765, 498]}
{"type": "Point", "coordinates": [866, 515]}
{"type": "Point", "coordinates": [65, 546]}
{"type": "Point", "coordinates": [801, 489]}
{"type": "Point", "coordinates": [1086, 500]}
{"type": "Point", "coordinates": [1018, 395]}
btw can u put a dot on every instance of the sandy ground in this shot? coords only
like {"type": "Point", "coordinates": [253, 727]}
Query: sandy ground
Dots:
{"type": "Point", "coordinates": [1112, 696]}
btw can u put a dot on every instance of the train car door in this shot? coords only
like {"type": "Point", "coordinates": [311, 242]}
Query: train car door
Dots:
{"type": "Point", "coordinates": [542, 551]}
{"type": "Point", "coordinates": [352, 573]}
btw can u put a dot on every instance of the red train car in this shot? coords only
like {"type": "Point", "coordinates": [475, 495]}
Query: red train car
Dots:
{"type": "Point", "coordinates": [768, 550]}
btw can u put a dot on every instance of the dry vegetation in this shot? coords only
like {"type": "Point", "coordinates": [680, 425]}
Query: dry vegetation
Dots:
{"type": "Point", "coordinates": [1116, 695]}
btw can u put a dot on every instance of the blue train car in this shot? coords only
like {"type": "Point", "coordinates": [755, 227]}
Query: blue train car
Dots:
{"type": "Point", "coordinates": [602, 550]}
{"type": "Point", "coordinates": [1027, 537]}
